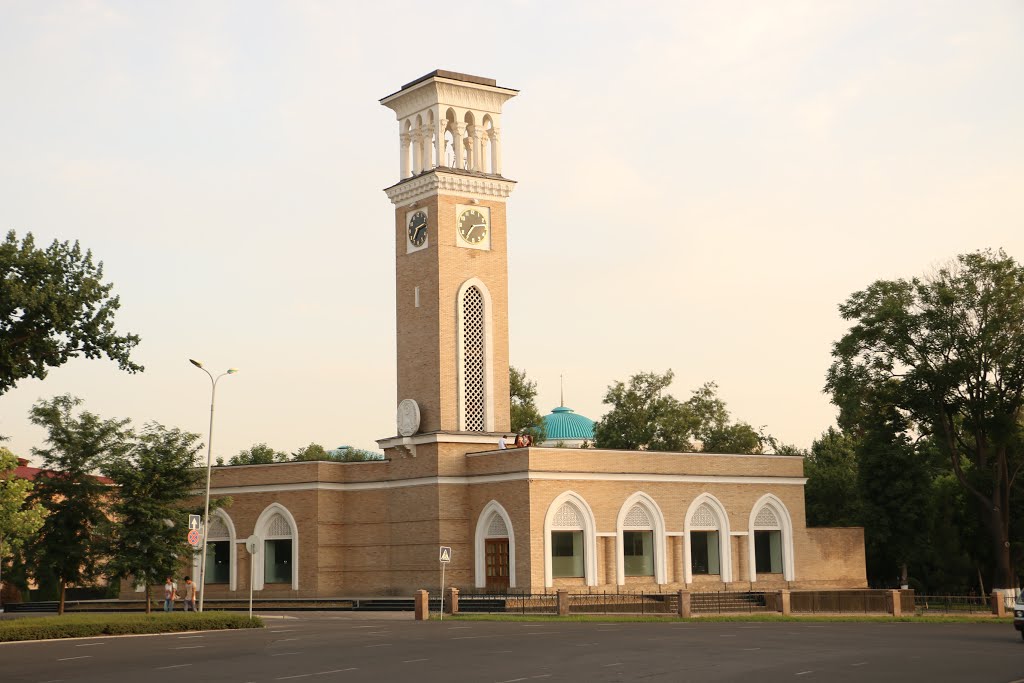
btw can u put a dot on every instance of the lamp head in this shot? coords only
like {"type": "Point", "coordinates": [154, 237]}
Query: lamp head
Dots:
{"type": "Point", "coordinates": [232, 371]}
{"type": "Point", "coordinates": [195, 363]}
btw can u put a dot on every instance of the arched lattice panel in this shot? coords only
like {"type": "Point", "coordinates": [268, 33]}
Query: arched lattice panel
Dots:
{"type": "Point", "coordinates": [637, 518]}
{"type": "Point", "coordinates": [567, 517]}
{"type": "Point", "coordinates": [278, 527]}
{"type": "Point", "coordinates": [473, 385]}
{"type": "Point", "coordinates": [497, 527]}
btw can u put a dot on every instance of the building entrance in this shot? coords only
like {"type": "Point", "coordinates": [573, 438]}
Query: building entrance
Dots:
{"type": "Point", "coordinates": [496, 562]}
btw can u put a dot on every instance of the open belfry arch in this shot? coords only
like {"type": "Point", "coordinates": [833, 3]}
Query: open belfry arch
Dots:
{"type": "Point", "coordinates": [519, 519]}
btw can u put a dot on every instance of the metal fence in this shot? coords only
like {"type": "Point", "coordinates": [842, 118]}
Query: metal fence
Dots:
{"type": "Point", "coordinates": [952, 604]}
{"type": "Point", "coordinates": [521, 603]}
{"type": "Point", "coordinates": [733, 602]}
{"type": "Point", "coordinates": [623, 603]}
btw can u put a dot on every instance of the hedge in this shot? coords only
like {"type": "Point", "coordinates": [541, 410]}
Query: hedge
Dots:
{"type": "Point", "coordinates": [85, 625]}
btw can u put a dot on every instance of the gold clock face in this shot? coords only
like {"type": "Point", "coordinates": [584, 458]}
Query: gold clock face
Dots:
{"type": "Point", "coordinates": [473, 226]}
{"type": "Point", "coordinates": [418, 229]}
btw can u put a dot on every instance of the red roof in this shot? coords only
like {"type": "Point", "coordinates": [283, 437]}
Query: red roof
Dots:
{"type": "Point", "coordinates": [24, 471]}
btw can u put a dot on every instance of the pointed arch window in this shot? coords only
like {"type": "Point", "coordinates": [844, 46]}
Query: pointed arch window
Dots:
{"type": "Point", "coordinates": [771, 539]}
{"type": "Point", "coordinates": [474, 357]}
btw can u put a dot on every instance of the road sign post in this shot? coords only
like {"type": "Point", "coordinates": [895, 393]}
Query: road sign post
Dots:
{"type": "Point", "coordinates": [446, 557]}
{"type": "Point", "coordinates": [252, 544]}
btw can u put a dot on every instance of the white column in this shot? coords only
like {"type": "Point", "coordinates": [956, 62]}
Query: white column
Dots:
{"type": "Point", "coordinates": [439, 126]}
{"type": "Point", "coordinates": [495, 151]}
{"type": "Point", "coordinates": [426, 132]}
{"type": "Point", "coordinates": [459, 145]}
{"type": "Point", "coordinates": [474, 133]}
{"type": "Point", "coordinates": [403, 158]}
{"type": "Point", "coordinates": [417, 151]}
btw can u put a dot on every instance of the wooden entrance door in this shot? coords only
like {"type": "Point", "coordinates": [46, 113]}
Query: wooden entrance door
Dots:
{"type": "Point", "coordinates": [496, 563]}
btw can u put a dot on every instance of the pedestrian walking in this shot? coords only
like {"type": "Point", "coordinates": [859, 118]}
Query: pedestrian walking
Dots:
{"type": "Point", "coordinates": [170, 593]}
{"type": "Point", "coordinates": [190, 595]}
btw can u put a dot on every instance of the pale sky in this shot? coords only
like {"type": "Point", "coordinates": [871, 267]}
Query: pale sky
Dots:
{"type": "Point", "coordinates": [700, 185]}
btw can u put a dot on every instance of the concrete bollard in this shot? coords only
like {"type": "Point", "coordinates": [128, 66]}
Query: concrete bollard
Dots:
{"type": "Point", "coordinates": [998, 603]}
{"type": "Point", "coordinates": [784, 602]}
{"type": "Point", "coordinates": [684, 604]}
{"type": "Point", "coordinates": [563, 602]}
{"type": "Point", "coordinates": [453, 601]}
{"type": "Point", "coordinates": [422, 605]}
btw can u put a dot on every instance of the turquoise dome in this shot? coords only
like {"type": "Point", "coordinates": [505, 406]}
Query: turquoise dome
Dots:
{"type": "Point", "coordinates": [562, 424]}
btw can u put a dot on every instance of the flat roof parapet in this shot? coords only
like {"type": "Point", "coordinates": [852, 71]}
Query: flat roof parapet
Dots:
{"type": "Point", "coordinates": [455, 76]}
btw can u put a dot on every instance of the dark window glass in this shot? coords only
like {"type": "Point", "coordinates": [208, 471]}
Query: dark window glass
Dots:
{"type": "Point", "coordinates": [566, 554]}
{"type": "Point", "coordinates": [218, 562]}
{"type": "Point", "coordinates": [277, 561]}
{"type": "Point", "coordinates": [638, 553]}
{"type": "Point", "coordinates": [704, 558]}
{"type": "Point", "coordinates": [768, 552]}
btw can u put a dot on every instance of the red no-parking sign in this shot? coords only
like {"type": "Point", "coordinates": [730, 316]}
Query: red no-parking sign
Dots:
{"type": "Point", "coordinates": [193, 537]}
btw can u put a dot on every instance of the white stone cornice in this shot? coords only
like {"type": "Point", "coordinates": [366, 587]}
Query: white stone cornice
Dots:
{"type": "Point", "coordinates": [441, 182]}
{"type": "Point", "coordinates": [445, 92]}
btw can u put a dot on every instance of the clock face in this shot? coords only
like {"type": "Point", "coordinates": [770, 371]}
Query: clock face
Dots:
{"type": "Point", "coordinates": [473, 226]}
{"type": "Point", "coordinates": [418, 229]}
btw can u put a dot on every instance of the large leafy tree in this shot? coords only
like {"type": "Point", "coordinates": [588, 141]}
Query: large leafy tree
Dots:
{"type": "Point", "coordinates": [947, 352]}
{"type": "Point", "coordinates": [644, 416]}
{"type": "Point", "coordinates": [313, 451]}
{"type": "Point", "coordinates": [54, 306]}
{"type": "Point", "coordinates": [832, 495]}
{"type": "Point", "coordinates": [523, 406]}
{"type": "Point", "coordinates": [19, 519]}
{"type": "Point", "coordinates": [69, 545]}
{"type": "Point", "coordinates": [257, 454]}
{"type": "Point", "coordinates": [160, 471]}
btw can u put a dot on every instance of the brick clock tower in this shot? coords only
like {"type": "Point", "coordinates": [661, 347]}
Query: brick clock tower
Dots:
{"type": "Point", "coordinates": [450, 260]}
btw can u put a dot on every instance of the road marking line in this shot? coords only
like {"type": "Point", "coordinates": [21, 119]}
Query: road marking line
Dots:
{"type": "Point", "coordinates": [542, 676]}
{"type": "Point", "coordinates": [513, 680]}
{"type": "Point", "coordinates": [173, 666]}
{"type": "Point", "coordinates": [541, 633]}
{"type": "Point", "coordinates": [751, 649]}
{"type": "Point", "coordinates": [379, 645]}
{"type": "Point", "coordinates": [64, 659]}
{"type": "Point", "coordinates": [615, 664]}
{"type": "Point", "coordinates": [863, 663]}
{"type": "Point", "coordinates": [410, 661]}
{"type": "Point", "coordinates": [89, 644]}
{"type": "Point", "coordinates": [474, 637]}
{"type": "Point", "coordinates": [282, 630]}
{"type": "Point", "coordinates": [184, 637]}
{"type": "Point", "coordinates": [804, 672]}
{"type": "Point", "coordinates": [187, 647]}
{"type": "Point", "coordinates": [285, 640]}
{"type": "Point", "coordinates": [282, 654]}
{"type": "Point", "coordinates": [456, 628]}
{"type": "Point", "coordinates": [726, 635]}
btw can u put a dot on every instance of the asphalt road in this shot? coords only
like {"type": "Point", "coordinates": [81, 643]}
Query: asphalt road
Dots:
{"type": "Point", "coordinates": [343, 649]}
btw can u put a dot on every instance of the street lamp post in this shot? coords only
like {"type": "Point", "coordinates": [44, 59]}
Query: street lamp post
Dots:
{"type": "Point", "coordinates": [209, 455]}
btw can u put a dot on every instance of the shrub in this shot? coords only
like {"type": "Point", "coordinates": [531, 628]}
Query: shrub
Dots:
{"type": "Point", "coordinates": [85, 625]}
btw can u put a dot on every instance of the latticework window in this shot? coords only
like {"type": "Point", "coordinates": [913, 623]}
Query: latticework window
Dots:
{"type": "Point", "coordinates": [704, 518]}
{"type": "Point", "coordinates": [497, 527]}
{"type": "Point", "coordinates": [279, 527]}
{"type": "Point", "coordinates": [766, 518]}
{"type": "Point", "coordinates": [568, 517]}
{"type": "Point", "coordinates": [637, 518]}
{"type": "Point", "coordinates": [218, 529]}
{"type": "Point", "coordinates": [473, 360]}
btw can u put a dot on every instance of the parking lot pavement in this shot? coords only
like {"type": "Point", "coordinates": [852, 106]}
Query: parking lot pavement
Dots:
{"type": "Point", "coordinates": [334, 647]}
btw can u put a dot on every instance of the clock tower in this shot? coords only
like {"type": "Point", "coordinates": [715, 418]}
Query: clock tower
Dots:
{"type": "Point", "coordinates": [450, 255]}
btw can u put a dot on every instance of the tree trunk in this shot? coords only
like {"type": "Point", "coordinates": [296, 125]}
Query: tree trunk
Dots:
{"type": "Point", "coordinates": [148, 606]}
{"type": "Point", "coordinates": [60, 605]}
{"type": "Point", "coordinates": [903, 575]}
{"type": "Point", "coordinates": [1003, 577]}
{"type": "Point", "coordinates": [981, 583]}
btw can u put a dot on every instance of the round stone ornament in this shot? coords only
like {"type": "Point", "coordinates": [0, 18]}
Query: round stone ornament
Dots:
{"type": "Point", "coordinates": [408, 417]}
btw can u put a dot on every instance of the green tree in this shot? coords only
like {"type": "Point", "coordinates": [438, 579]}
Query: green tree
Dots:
{"type": "Point", "coordinates": [19, 519]}
{"type": "Point", "coordinates": [313, 451]}
{"type": "Point", "coordinates": [257, 454]}
{"type": "Point", "coordinates": [945, 351]}
{"type": "Point", "coordinates": [350, 454]}
{"type": "Point", "coordinates": [54, 306]}
{"type": "Point", "coordinates": [523, 407]}
{"type": "Point", "coordinates": [69, 545]}
{"type": "Point", "coordinates": [644, 416]}
{"type": "Point", "coordinates": [832, 495]}
{"type": "Point", "coordinates": [148, 542]}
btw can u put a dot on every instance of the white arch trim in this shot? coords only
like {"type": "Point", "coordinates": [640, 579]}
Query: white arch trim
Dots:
{"type": "Point", "coordinates": [261, 532]}
{"type": "Point", "coordinates": [488, 353]}
{"type": "Point", "coordinates": [589, 537]}
{"type": "Point", "coordinates": [724, 538]}
{"type": "Point", "coordinates": [657, 526]}
{"type": "Point", "coordinates": [785, 525]}
{"type": "Point", "coordinates": [482, 523]}
{"type": "Point", "coordinates": [232, 540]}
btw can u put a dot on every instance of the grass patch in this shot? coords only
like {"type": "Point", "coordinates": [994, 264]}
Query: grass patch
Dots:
{"type": "Point", "coordinates": [747, 618]}
{"type": "Point", "coordinates": [85, 625]}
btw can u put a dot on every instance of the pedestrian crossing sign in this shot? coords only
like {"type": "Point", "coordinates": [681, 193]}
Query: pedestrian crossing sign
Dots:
{"type": "Point", "coordinates": [446, 554]}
